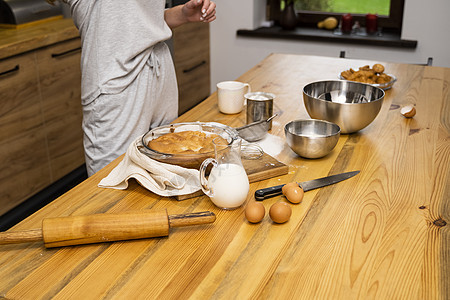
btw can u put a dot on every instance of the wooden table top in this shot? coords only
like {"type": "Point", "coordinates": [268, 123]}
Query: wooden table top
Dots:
{"type": "Point", "coordinates": [383, 234]}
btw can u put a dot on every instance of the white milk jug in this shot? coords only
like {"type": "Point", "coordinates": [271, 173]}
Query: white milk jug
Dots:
{"type": "Point", "coordinates": [227, 185]}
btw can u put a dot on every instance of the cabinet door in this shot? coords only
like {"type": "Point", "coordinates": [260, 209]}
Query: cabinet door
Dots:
{"type": "Point", "coordinates": [192, 64]}
{"type": "Point", "coordinates": [60, 81]}
{"type": "Point", "coordinates": [23, 147]}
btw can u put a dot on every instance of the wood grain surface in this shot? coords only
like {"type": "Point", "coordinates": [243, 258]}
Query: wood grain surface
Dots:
{"type": "Point", "coordinates": [60, 82]}
{"type": "Point", "coordinates": [22, 40]}
{"type": "Point", "coordinates": [21, 130]}
{"type": "Point", "coordinates": [192, 64]}
{"type": "Point", "coordinates": [383, 234]}
{"type": "Point", "coordinates": [40, 139]}
{"type": "Point", "coordinates": [40, 120]}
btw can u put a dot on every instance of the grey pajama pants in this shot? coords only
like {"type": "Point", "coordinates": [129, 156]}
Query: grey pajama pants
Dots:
{"type": "Point", "coordinates": [113, 121]}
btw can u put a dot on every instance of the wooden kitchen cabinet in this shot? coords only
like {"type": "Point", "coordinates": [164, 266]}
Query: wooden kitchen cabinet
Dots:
{"type": "Point", "coordinates": [23, 145]}
{"type": "Point", "coordinates": [192, 64]}
{"type": "Point", "coordinates": [60, 81]}
{"type": "Point", "coordinates": [40, 120]}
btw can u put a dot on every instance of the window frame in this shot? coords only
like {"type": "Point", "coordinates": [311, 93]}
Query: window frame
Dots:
{"type": "Point", "coordinates": [391, 23]}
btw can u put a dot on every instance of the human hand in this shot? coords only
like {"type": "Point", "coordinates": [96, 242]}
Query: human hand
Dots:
{"type": "Point", "coordinates": [199, 11]}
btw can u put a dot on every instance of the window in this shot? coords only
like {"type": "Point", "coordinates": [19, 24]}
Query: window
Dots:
{"type": "Point", "coordinates": [390, 12]}
{"type": "Point", "coordinates": [380, 7]}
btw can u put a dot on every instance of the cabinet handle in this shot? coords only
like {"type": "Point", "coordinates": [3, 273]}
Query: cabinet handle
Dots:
{"type": "Point", "coordinates": [66, 52]}
{"type": "Point", "coordinates": [15, 69]}
{"type": "Point", "coordinates": [195, 67]}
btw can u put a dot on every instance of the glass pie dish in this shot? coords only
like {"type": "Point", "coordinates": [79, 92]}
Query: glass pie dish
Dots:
{"type": "Point", "coordinates": [186, 160]}
{"type": "Point", "coordinates": [384, 86]}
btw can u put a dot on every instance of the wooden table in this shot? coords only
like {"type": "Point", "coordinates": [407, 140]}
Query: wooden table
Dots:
{"type": "Point", "coordinates": [383, 234]}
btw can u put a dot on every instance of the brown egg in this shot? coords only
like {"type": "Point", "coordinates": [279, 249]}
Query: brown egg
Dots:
{"type": "Point", "coordinates": [293, 192]}
{"type": "Point", "coordinates": [254, 212]}
{"type": "Point", "coordinates": [280, 212]}
{"type": "Point", "coordinates": [408, 111]}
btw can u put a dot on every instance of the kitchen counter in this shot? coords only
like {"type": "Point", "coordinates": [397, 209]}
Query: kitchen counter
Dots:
{"type": "Point", "coordinates": [39, 79]}
{"type": "Point", "coordinates": [17, 41]}
{"type": "Point", "coordinates": [382, 234]}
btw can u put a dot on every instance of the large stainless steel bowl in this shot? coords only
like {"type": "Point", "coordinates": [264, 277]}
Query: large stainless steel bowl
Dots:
{"type": "Point", "coordinates": [311, 138]}
{"type": "Point", "coordinates": [351, 105]}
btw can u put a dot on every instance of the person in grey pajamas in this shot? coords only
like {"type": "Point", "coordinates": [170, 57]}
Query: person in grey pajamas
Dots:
{"type": "Point", "coordinates": [128, 81]}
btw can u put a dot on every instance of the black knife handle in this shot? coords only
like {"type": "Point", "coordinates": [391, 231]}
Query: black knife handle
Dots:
{"type": "Point", "coordinates": [268, 192]}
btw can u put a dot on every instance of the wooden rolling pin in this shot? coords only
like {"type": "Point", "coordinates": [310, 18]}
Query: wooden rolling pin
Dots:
{"type": "Point", "coordinates": [76, 230]}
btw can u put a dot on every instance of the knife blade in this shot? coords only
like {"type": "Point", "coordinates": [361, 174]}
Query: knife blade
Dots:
{"type": "Point", "coordinates": [265, 193]}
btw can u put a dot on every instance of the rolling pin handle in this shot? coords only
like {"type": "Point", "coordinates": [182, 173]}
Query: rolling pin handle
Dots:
{"type": "Point", "coordinates": [198, 218]}
{"type": "Point", "coordinates": [16, 237]}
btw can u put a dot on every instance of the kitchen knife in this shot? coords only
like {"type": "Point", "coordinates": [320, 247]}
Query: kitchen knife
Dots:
{"type": "Point", "coordinates": [306, 186]}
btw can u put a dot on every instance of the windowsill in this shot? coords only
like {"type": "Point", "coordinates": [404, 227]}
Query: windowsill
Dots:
{"type": "Point", "coordinates": [386, 39]}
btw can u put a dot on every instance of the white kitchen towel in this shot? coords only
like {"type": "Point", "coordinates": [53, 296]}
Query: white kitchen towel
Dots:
{"type": "Point", "coordinates": [160, 178]}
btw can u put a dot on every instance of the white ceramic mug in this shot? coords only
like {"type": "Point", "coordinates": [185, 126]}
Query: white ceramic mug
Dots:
{"type": "Point", "coordinates": [230, 96]}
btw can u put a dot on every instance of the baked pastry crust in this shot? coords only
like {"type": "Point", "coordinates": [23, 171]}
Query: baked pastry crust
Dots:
{"type": "Point", "coordinates": [365, 74]}
{"type": "Point", "coordinates": [186, 142]}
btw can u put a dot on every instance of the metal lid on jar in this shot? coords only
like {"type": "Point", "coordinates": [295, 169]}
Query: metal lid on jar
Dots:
{"type": "Point", "coordinates": [259, 96]}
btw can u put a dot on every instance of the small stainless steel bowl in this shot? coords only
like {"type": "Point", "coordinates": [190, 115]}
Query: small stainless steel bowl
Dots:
{"type": "Point", "coordinates": [312, 138]}
{"type": "Point", "coordinates": [351, 105]}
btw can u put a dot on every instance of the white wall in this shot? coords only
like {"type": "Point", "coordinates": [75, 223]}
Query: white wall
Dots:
{"type": "Point", "coordinates": [231, 55]}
